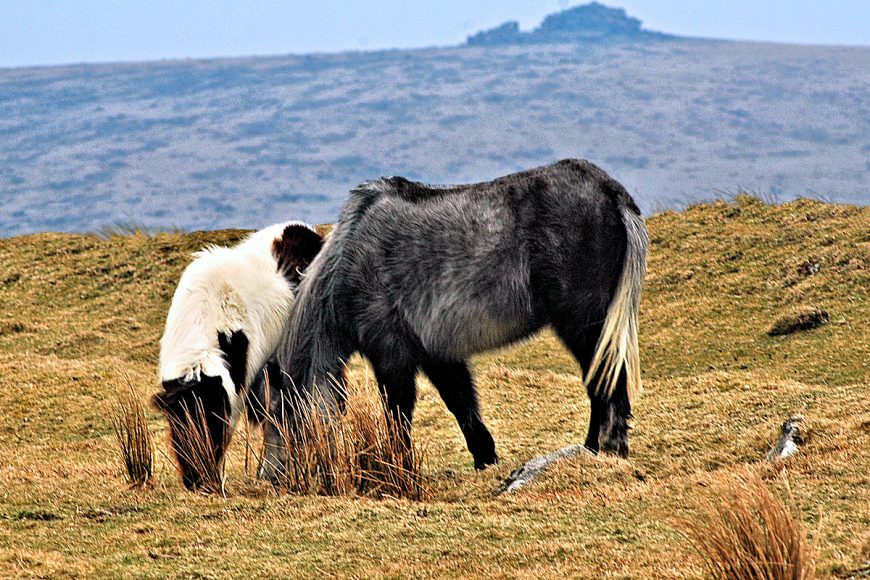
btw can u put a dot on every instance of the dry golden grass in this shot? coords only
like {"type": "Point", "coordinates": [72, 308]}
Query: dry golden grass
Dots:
{"type": "Point", "coordinates": [356, 450]}
{"type": "Point", "coordinates": [386, 465]}
{"type": "Point", "coordinates": [77, 313]}
{"type": "Point", "coordinates": [747, 531]}
{"type": "Point", "coordinates": [195, 447]}
{"type": "Point", "coordinates": [135, 443]}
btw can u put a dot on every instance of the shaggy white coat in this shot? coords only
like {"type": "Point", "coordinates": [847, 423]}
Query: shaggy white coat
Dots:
{"type": "Point", "coordinates": [222, 291]}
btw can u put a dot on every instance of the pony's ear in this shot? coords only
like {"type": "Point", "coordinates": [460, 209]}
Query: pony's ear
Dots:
{"type": "Point", "coordinates": [295, 249]}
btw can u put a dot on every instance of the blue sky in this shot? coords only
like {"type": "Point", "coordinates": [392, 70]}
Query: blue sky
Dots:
{"type": "Point", "coordinates": [43, 32]}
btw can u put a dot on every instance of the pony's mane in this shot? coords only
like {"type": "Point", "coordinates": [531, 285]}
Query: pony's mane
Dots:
{"type": "Point", "coordinates": [313, 329]}
{"type": "Point", "coordinates": [408, 190]}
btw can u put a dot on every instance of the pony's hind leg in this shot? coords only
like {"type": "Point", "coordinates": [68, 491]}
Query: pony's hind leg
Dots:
{"type": "Point", "coordinates": [609, 412]}
{"type": "Point", "coordinates": [616, 411]}
{"type": "Point", "coordinates": [456, 387]}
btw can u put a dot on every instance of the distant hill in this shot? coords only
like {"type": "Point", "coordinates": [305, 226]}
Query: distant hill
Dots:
{"type": "Point", "coordinates": [244, 142]}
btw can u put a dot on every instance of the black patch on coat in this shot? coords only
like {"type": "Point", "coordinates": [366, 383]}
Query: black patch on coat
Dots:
{"type": "Point", "coordinates": [235, 349]}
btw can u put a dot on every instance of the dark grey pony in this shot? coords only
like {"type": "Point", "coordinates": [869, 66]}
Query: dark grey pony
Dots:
{"type": "Point", "coordinates": [417, 277]}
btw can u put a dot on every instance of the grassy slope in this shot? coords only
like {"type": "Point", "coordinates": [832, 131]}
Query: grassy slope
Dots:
{"type": "Point", "coordinates": [78, 314]}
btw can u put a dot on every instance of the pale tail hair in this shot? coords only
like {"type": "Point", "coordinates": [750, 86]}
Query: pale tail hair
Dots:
{"type": "Point", "coordinates": [617, 347]}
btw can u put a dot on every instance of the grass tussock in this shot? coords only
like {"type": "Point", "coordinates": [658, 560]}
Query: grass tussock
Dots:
{"type": "Point", "coordinates": [253, 456]}
{"type": "Point", "coordinates": [800, 318]}
{"type": "Point", "coordinates": [387, 466]}
{"type": "Point", "coordinates": [134, 439]}
{"type": "Point", "coordinates": [357, 450]}
{"type": "Point", "coordinates": [746, 531]}
{"type": "Point", "coordinates": [198, 451]}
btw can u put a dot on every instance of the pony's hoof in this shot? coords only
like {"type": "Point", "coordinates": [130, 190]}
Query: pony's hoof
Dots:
{"type": "Point", "coordinates": [191, 483]}
{"type": "Point", "coordinates": [484, 463]}
{"type": "Point", "coordinates": [618, 448]}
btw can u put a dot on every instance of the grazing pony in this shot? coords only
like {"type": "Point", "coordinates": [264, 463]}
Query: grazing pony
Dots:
{"type": "Point", "coordinates": [418, 277]}
{"type": "Point", "coordinates": [226, 320]}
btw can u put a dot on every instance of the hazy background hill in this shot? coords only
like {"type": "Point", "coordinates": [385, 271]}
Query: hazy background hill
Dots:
{"type": "Point", "coordinates": [245, 142]}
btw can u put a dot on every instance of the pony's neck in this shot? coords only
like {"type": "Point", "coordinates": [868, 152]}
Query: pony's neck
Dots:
{"type": "Point", "coordinates": [315, 356]}
{"type": "Point", "coordinates": [328, 360]}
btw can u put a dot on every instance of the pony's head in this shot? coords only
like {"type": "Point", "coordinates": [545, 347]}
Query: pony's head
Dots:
{"type": "Point", "coordinates": [198, 410]}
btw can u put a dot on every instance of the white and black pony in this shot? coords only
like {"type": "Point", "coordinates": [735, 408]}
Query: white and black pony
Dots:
{"type": "Point", "coordinates": [417, 277]}
{"type": "Point", "coordinates": [226, 320]}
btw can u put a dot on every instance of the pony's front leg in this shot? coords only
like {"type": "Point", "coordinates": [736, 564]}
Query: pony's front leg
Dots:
{"type": "Point", "coordinates": [274, 454]}
{"type": "Point", "coordinates": [455, 384]}
{"type": "Point", "coordinates": [397, 382]}
{"type": "Point", "coordinates": [278, 430]}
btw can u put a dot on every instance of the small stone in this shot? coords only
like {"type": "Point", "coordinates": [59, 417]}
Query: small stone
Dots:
{"type": "Point", "coordinates": [535, 467]}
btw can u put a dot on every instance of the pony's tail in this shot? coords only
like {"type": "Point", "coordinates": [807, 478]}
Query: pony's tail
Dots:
{"type": "Point", "coordinates": [617, 347]}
